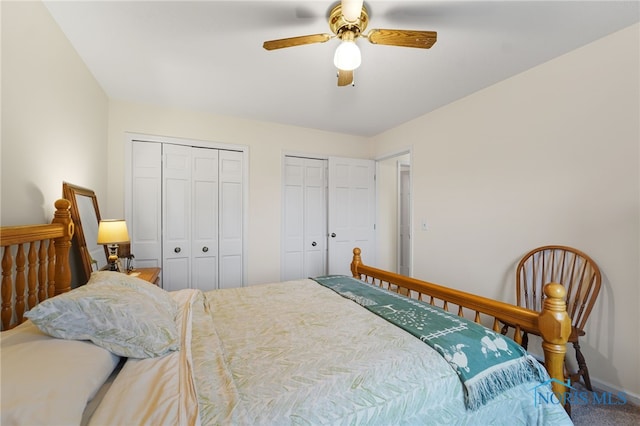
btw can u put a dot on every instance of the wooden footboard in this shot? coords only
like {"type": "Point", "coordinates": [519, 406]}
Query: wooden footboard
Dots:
{"type": "Point", "coordinates": [35, 263]}
{"type": "Point", "coordinates": [553, 323]}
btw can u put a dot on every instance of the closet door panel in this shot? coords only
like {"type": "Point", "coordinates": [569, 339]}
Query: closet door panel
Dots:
{"type": "Point", "coordinates": [315, 222]}
{"type": "Point", "coordinates": [175, 273]}
{"type": "Point", "coordinates": [204, 274]}
{"type": "Point", "coordinates": [351, 210]}
{"type": "Point", "coordinates": [231, 218]}
{"type": "Point", "coordinates": [146, 182]}
{"type": "Point", "coordinates": [340, 223]}
{"type": "Point", "coordinates": [204, 246]}
{"type": "Point", "coordinates": [293, 218]}
{"type": "Point", "coordinates": [177, 217]}
{"type": "Point", "coordinates": [230, 242]}
{"type": "Point", "coordinates": [230, 271]}
{"type": "Point", "coordinates": [293, 243]}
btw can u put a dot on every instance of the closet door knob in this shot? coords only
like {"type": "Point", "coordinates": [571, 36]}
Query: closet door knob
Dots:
{"type": "Point", "coordinates": [177, 249]}
{"type": "Point", "coordinates": [314, 244]}
{"type": "Point", "coordinates": [205, 249]}
{"type": "Point", "coordinates": [333, 235]}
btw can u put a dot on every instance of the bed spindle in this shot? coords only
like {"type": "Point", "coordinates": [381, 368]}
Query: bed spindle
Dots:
{"type": "Point", "coordinates": [496, 325]}
{"type": "Point", "coordinates": [32, 258]}
{"type": "Point", "coordinates": [7, 288]}
{"type": "Point", "coordinates": [20, 281]}
{"type": "Point", "coordinates": [42, 271]}
{"type": "Point", "coordinates": [517, 335]}
{"type": "Point", "coordinates": [51, 269]}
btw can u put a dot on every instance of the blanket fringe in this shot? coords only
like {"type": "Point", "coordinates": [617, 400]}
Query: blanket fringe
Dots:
{"type": "Point", "coordinates": [487, 386]}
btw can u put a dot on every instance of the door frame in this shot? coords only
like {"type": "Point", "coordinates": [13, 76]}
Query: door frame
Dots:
{"type": "Point", "coordinates": [130, 137]}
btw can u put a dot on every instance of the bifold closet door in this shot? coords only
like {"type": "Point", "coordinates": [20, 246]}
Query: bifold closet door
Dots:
{"type": "Point", "coordinates": [304, 218]}
{"type": "Point", "coordinates": [188, 214]}
{"type": "Point", "coordinates": [191, 214]}
{"type": "Point", "coordinates": [328, 209]}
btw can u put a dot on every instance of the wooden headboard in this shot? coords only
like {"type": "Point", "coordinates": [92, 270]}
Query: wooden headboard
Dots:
{"type": "Point", "coordinates": [35, 264]}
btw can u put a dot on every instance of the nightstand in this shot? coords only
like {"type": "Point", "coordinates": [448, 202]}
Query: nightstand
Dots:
{"type": "Point", "coordinates": [148, 274]}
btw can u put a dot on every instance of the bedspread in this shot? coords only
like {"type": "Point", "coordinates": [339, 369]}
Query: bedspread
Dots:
{"type": "Point", "coordinates": [298, 353]}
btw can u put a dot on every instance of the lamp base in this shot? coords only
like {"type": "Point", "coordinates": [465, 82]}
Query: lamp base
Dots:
{"type": "Point", "coordinates": [113, 257]}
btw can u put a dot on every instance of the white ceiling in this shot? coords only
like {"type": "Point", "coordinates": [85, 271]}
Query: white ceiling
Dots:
{"type": "Point", "coordinates": [208, 55]}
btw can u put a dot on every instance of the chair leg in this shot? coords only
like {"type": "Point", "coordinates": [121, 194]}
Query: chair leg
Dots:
{"type": "Point", "coordinates": [583, 370]}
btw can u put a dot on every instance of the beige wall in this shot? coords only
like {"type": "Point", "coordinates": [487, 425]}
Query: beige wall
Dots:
{"type": "Point", "coordinates": [54, 116]}
{"type": "Point", "coordinates": [550, 156]}
{"type": "Point", "coordinates": [267, 144]}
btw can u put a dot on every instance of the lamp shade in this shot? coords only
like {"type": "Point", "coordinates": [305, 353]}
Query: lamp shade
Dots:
{"type": "Point", "coordinates": [112, 231]}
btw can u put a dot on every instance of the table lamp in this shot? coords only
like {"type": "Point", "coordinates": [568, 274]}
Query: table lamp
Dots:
{"type": "Point", "coordinates": [112, 232]}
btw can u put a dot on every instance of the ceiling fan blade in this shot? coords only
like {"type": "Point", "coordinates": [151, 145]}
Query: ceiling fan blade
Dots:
{"type": "Point", "coordinates": [405, 38]}
{"type": "Point", "coordinates": [345, 78]}
{"type": "Point", "coordinates": [296, 41]}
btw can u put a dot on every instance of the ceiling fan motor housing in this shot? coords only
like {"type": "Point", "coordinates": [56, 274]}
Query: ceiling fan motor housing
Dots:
{"type": "Point", "coordinates": [339, 24]}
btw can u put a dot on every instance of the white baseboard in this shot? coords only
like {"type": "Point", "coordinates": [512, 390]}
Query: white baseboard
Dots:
{"type": "Point", "coordinates": [632, 398]}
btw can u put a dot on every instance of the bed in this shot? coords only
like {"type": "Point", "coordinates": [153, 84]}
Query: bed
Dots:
{"type": "Point", "coordinates": [329, 350]}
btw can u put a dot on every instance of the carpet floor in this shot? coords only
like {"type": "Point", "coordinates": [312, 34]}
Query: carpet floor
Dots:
{"type": "Point", "coordinates": [601, 409]}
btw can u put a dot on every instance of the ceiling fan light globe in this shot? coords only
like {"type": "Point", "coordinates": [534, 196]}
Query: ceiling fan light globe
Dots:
{"type": "Point", "coordinates": [347, 56]}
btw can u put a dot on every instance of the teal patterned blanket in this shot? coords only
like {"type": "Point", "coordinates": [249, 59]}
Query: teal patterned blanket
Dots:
{"type": "Point", "coordinates": [486, 362]}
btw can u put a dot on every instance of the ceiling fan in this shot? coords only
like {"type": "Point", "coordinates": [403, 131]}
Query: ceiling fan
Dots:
{"type": "Point", "coordinates": [348, 20]}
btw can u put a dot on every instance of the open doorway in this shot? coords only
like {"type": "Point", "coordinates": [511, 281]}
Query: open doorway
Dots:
{"type": "Point", "coordinates": [393, 222]}
{"type": "Point", "coordinates": [404, 218]}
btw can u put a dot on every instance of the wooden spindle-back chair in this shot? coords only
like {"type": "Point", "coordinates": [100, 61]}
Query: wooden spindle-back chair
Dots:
{"type": "Point", "coordinates": [580, 276]}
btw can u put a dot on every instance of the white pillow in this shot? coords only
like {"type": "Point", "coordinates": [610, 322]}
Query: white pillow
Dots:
{"type": "Point", "coordinates": [120, 318]}
{"type": "Point", "coordinates": [47, 381]}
